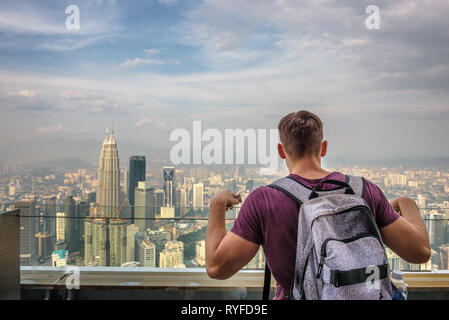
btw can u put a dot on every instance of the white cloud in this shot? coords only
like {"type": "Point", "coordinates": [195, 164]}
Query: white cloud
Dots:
{"type": "Point", "coordinates": [167, 2]}
{"type": "Point", "coordinates": [151, 51]}
{"type": "Point", "coordinates": [137, 61]}
{"type": "Point", "coordinates": [28, 93]}
{"type": "Point", "coordinates": [155, 122]}
{"type": "Point", "coordinates": [50, 129]}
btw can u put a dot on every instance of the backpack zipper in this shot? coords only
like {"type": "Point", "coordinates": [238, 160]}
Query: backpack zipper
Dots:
{"type": "Point", "coordinates": [324, 247]}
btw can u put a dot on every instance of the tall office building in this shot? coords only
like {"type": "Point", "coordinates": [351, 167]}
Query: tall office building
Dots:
{"type": "Point", "coordinates": [44, 245]}
{"type": "Point", "coordinates": [169, 186]}
{"type": "Point", "coordinates": [49, 210]}
{"type": "Point", "coordinates": [108, 187]}
{"type": "Point", "coordinates": [159, 200]}
{"type": "Point", "coordinates": [144, 201]}
{"type": "Point", "coordinates": [137, 166]}
{"type": "Point", "coordinates": [28, 227]}
{"type": "Point", "coordinates": [71, 224]}
{"type": "Point", "coordinates": [146, 253]}
{"type": "Point", "coordinates": [181, 202]}
{"type": "Point", "coordinates": [131, 232]}
{"type": "Point", "coordinates": [198, 195]}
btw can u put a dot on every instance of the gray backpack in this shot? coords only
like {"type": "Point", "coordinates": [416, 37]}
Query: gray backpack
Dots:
{"type": "Point", "coordinates": [339, 253]}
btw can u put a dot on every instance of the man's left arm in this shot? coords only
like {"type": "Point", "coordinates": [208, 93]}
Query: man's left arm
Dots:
{"type": "Point", "coordinates": [226, 252]}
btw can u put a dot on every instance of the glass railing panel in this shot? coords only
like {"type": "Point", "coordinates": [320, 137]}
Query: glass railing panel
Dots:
{"type": "Point", "coordinates": [83, 235]}
{"type": "Point", "coordinates": [150, 237]}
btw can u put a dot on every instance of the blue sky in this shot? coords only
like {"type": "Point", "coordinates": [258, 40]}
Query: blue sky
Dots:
{"type": "Point", "coordinates": [153, 66]}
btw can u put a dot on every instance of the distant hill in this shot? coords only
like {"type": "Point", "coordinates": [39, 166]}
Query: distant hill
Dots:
{"type": "Point", "coordinates": [408, 163]}
{"type": "Point", "coordinates": [67, 163]}
{"type": "Point", "coordinates": [76, 152]}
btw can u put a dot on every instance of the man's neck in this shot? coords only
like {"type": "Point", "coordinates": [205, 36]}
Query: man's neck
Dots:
{"type": "Point", "coordinates": [308, 168]}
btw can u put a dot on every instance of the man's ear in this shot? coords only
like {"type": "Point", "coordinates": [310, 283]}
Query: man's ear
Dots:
{"type": "Point", "coordinates": [323, 148]}
{"type": "Point", "coordinates": [281, 151]}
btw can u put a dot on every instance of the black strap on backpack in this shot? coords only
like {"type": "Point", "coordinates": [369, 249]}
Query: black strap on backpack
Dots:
{"type": "Point", "coordinates": [266, 283]}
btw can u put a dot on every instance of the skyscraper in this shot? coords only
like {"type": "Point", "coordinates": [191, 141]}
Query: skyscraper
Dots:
{"type": "Point", "coordinates": [144, 205]}
{"type": "Point", "coordinates": [159, 199]}
{"type": "Point", "coordinates": [71, 224]}
{"type": "Point", "coordinates": [198, 195]}
{"type": "Point", "coordinates": [136, 173]}
{"type": "Point", "coordinates": [60, 226]}
{"type": "Point", "coordinates": [131, 231]}
{"type": "Point", "coordinates": [28, 219]}
{"type": "Point", "coordinates": [147, 253]}
{"type": "Point", "coordinates": [169, 186]}
{"type": "Point", "coordinates": [49, 209]}
{"type": "Point", "coordinates": [117, 236]}
{"type": "Point", "coordinates": [108, 188]}
{"type": "Point", "coordinates": [181, 202]}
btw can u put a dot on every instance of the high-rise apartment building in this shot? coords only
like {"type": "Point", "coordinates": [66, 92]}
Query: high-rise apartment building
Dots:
{"type": "Point", "coordinates": [159, 238]}
{"type": "Point", "coordinates": [172, 256]}
{"type": "Point", "coordinates": [200, 253]}
{"type": "Point", "coordinates": [117, 239]}
{"type": "Point", "coordinates": [131, 232]}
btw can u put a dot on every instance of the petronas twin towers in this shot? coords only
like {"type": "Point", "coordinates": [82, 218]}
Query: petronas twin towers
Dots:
{"type": "Point", "coordinates": [108, 188]}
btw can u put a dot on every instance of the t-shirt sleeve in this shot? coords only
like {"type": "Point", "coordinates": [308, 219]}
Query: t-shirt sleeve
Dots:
{"type": "Point", "coordinates": [248, 225]}
{"type": "Point", "coordinates": [384, 213]}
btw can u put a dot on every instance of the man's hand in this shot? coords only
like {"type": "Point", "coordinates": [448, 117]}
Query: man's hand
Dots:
{"type": "Point", "coordinates": [225, 198]}
{"type": "Point", "coordinates": [226, 252]}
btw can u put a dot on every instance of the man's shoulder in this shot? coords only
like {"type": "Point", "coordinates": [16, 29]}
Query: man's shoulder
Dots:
{"type": "Point", "coordinates": [266, 194]}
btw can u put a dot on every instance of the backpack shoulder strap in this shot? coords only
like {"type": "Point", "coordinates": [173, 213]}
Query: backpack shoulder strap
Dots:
{"type": "Point", "coordinates": [357, 184]}
{"type": "Point", "coordinates": [292, 188]}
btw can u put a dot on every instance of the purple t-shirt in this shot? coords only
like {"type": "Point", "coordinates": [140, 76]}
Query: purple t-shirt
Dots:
{"type": "Point", "coordinates": [269, 217]}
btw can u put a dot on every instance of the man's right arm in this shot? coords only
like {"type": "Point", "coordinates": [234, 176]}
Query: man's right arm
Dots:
{"type": "Point", "coordinates": [407, 236]}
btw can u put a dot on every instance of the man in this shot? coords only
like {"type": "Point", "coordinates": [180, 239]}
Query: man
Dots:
{"type": "Point", "coordinates": [269, 217]}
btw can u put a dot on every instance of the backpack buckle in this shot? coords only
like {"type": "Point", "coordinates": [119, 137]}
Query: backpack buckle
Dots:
{"type": "Point", "coordinates": [334, 278]}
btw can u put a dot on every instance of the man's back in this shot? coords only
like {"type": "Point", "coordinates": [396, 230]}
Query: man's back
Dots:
{"type": "Point", "coordinates": [270, 218]}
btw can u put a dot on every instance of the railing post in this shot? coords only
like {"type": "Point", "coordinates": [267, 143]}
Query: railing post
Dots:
{"type": "Point", "coordinates": [10, 255]}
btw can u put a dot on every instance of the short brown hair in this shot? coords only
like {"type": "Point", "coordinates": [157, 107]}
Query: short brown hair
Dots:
{"type": "Point", "coordinates": [301, 134]}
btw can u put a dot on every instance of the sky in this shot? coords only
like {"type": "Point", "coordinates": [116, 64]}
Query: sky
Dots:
{"type": "Point", "coordinates": [149, 67]}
